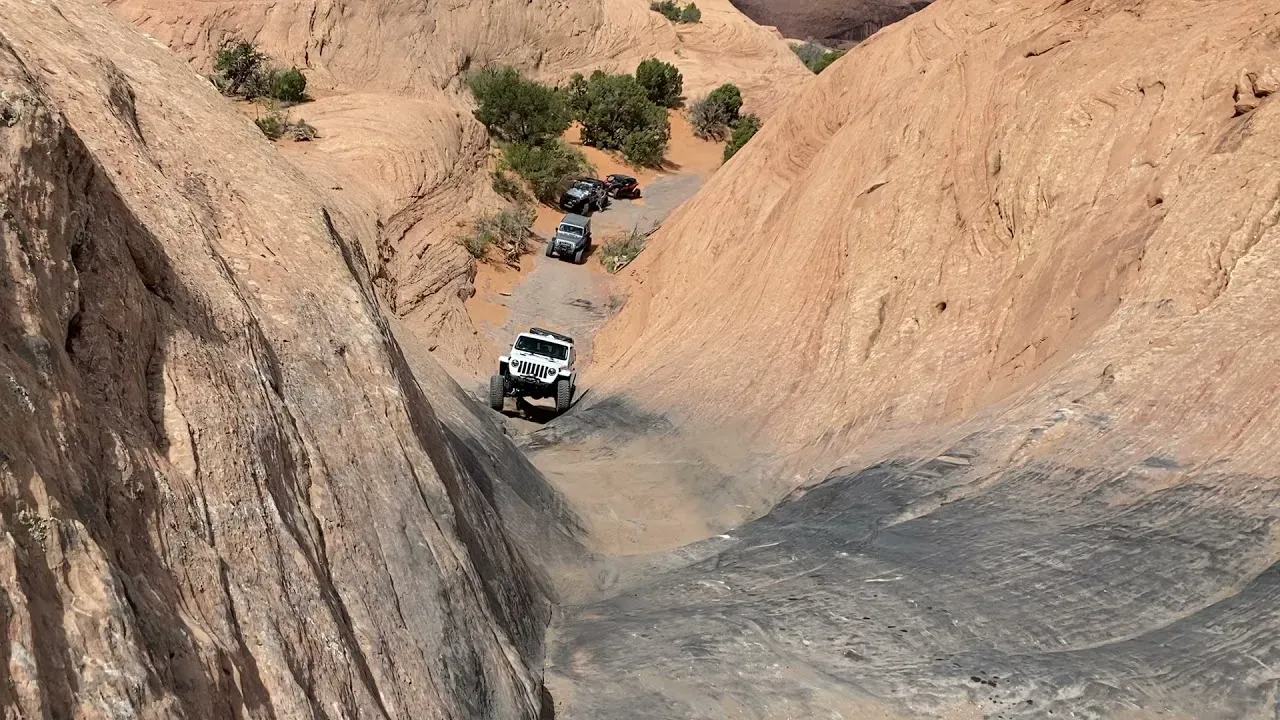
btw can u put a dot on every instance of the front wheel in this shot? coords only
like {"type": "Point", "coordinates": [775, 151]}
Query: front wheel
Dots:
{"type": "Point", "coordinates": [564, 394]}
{"type": "Point", "coordinates": [497, 392]}
{"type": "Point", "coordinates": [551, 246]}
{"type": "Point", "coordinates": [579, 257]}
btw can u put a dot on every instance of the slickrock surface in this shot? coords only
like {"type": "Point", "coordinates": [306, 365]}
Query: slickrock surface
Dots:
{"type": "Point", "coordinates": [223, 493]}
{"type": "Point", "coordinates": [1015, 265]}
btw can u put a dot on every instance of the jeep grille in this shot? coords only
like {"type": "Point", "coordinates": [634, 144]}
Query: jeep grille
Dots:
{"type": "Point", "coordinates": [532, 369]}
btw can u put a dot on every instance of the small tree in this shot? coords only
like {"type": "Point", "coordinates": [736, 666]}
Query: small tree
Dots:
{"type": "Point", "coordinates": [662, 81]}
{"type": "Point", "coordinates": [814, 56]}
{"type": "Point", "coordinates": [288, 85]}
{"type": "Point", "coordinates": [549, 168]}
{"type": "Point", "coordinates": [515, 109]}
{"type": "Point", "coordinates": [667, 8]}
{"type": "Point", "coordinates": [808, 52]}
{"type": "Point", "coordinates": [826, 60]}
{"type": "Point", "coordinates": [691, 14]}
{"type": "Point", "coordinates": [614, 107]}
{"type": "Point", "coordinates": [648, 146]}
{"type": "Point", "coordinates": [748, 125]}
{"type": "Point", "coordinates": [239, 63]}
{"type": "Point", "coordinates": [728, 100]}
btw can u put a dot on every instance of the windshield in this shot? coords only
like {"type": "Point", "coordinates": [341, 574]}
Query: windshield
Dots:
{"type": "Point", "coordinates": [545, 348]}
{"type": "Point", "coordinates": [583, 187]}
{"type": "Point", "coordinates": [570, 230]}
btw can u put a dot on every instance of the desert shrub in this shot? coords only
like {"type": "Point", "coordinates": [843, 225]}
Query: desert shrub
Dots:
{"type": "Point", "coordinates": [808, 52]}
{"type": "Point", "coordinates": [748, 125]}
{"type": "Point", "coordinates": [549, 168]}
{"type": "Point", "coordinates": [612, 108]}
{"type": "Point", "coordinates": [728, 99]}
{"type": "Point", "coordinates": [242, 71]}
{"type": "Point", "coordinates": [276, 124]}
{"type": "Point", "coordinates": [709, 120]}
{"type": "Point", "coordinates": [662, 81]}
{"type": "Point", "coordinates": [477, 246]}
{"type": "Point", "coordinates": [273, 124]}
{"type": "Point", "coordinates": [673, 12]}
{"type": "Point", "coordinates": [667, 8]}
{"type": "Point", "coordinates": [515, 109]}
{"type": "Point", "coordinates": [814, 56]}
{"type": "Point", "coordinates": [287, 85]}
{"type": "Point", "coordinates": [825, 62]}
{"type": "Point", "coordinates": [647, 147]}
{"type": "Point", "coordinates": [301, 131]}
{"type": "Point", "coordinates": [507, 186]}
{"type": "Point", "coordinates": [238, 64]}
{"type": "Point", "coordinates": [507, 230]}
{"type": "Point", "coordinates": [619, 252]}
{"type": "Point", "coordinates": [575, 95]}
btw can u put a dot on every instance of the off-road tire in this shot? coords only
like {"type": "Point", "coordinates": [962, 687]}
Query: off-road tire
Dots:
{"type": "Point", "coordinates": [580, 256]}
{"type": "Point", "coordinates": [564, 394]}
{"type": "Point", "coordinates": [497, 392]}
{"type": "Point", "coordinates": [551, 247]}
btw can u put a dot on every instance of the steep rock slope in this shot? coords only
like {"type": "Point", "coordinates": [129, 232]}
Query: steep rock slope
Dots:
{"type": "Point", "coordinates": [1015, 262]}
{"type": "Point", "coordinates": [830, 20]}
{"type": "Point", "coordinates": [398, 140]}
{"type": "Point", "coordinates": [222, 490]}
{"type": "Point", "coordinates": [993, 199]}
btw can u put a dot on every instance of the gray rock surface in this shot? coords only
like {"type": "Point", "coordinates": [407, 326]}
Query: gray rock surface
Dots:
{"type": "Point", "coordinates": [223, 491]}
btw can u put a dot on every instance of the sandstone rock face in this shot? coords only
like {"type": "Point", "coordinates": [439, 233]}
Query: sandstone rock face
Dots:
{"type": "Point", "coordinates": [397, 137]}
{"type": "Point", "coordinates": [993, 203]}
{"type": "Point", "coordinates": [223, 493]}
{"type": "Point", "coordinates": [1015, 263]}
{"type": "Point", "coordinates": [830, 20]}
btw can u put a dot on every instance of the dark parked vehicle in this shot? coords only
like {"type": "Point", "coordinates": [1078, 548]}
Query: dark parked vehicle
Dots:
{"type": "Point", "coordinates": [586, 195]}
{"type": "Point", "coordinates": [622, 186]}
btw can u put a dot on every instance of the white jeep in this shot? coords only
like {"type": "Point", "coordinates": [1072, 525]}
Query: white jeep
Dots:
{"type": "Point", "coordinates": [540, 365]}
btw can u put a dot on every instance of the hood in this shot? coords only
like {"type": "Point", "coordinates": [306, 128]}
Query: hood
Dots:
{"type": "Point", "coordinates": [576, 192]}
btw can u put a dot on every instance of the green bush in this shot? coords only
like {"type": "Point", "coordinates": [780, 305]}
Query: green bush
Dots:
{"type": "Point", "coordinates": [477, 245]}
{"type": "Point", "coordinates": [728, 100]}
{"type": "Point", "coordinates": [662, 81]}
{"type": "Point", "coordinates": [618, 253]}
{"type": "Point", "coordinates": [242, 71]}
{"type": "Point", "coordinates": [273, 125]}
{"type": "Point", "coordinates": [645, 147]}
{"type": "Point", "coordinates": [507, 186]}
{"type": "Point", "coordinates": [673, 12]}
{"type": "Point", "coordinates": [288, 85]}
{"type": "Point", "coordinates": [239, 64]}
{"type": "Point", "coordinates": [825, 62]}
{"type": "Point", "coordinates": [748, 125]}
{"type": "Point", "coordinates": [549, 168]}
{"type": "Point", "coordinates": [515, 109]}
{"type": "Point", "coordinates": [612, 108]}
{"type": "Point", "coordinates": [808, 52]}
{"type": "Point", "coordinates": [667, 8]}
{"type": "Point", "coordinates": [814, 56]}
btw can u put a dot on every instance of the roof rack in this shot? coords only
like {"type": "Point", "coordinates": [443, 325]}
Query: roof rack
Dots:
{"type": "Point", "coordinates": [548, 333]}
